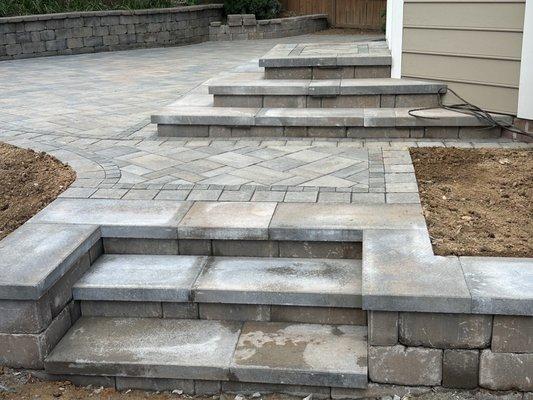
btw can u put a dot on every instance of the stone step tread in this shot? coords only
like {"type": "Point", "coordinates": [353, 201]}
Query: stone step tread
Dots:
{"type": "Point", "coordinates": [126, 277]}
{"type": "Point", "coordinates": [241, 85]}
{"type": "Point", "coordinates": [261, 352]}
{"type": "Point", "coordinates": [177, 114]}
{"type": "Point", "coordinates": [283, 281]}
{"type": "Point", "coordinates": [232, 280]}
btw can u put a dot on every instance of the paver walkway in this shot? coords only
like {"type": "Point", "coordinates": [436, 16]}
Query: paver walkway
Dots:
{"type": "Point", "coordinates": [93, 111]}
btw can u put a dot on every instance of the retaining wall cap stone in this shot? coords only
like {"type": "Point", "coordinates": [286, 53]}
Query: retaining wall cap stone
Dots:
{"type": "Point", "coordinates": [35, 256]}
{"type": "Point", "coordinates": [107, 13]}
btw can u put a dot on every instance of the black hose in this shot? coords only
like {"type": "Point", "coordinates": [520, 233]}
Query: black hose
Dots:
{"type": "Point", "coordinates": [470, 109]}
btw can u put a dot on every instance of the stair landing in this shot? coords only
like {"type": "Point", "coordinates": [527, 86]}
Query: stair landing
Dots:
{"type": "Point", "coordinates": [327, 55]}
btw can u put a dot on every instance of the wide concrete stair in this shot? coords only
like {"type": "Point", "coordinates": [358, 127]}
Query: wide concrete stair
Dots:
{"type": "Point", "coordinates": [252, 90]}
{"type": "Point", "coordinates": [333, 91]}
{"type": "Point", "coordinates": [218, 321]}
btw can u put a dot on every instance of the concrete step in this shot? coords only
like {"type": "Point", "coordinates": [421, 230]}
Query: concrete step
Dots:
{"type": "Point", "coordinates": [233, 288]}
{"type": "Point", "coordinates": [240, 91]}
{"type": "Point", "coordinates": [328, 61]}
{"type": "Point", "coordinates": [281, 281]}
{"type": "Point", "coordinates": [180, 120]}
{"type": "Point", "coordinates": [260, 352]}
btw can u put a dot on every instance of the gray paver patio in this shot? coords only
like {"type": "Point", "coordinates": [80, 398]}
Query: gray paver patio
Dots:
{"type": "Point", "coordinates": [92, 111]}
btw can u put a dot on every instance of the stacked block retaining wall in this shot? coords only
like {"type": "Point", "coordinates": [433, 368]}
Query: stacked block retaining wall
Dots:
{"type": "Point", "coordinates": [30, 329]}
{"type": "Point", "coordinates": [461, 351]}
{"type": "Point", "coordinates": [246, 27]}
{"type": "Point", "coordinates": [90, 32]}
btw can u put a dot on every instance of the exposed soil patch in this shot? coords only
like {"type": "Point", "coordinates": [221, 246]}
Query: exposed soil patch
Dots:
{"type": "Point", "coordinates": [477, 202]}
{"type": "Point", "coordinates": [29, 181]}
{"type": "Point", "coordinates": [20, 385]}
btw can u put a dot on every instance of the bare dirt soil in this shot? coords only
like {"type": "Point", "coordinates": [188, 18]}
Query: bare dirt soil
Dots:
{"type": "Point", "coordinates": [29, 181]}
{"type": "Point", "coordinates": [21, 385]}
{"type": "Point", "coordinates": [477, 202]}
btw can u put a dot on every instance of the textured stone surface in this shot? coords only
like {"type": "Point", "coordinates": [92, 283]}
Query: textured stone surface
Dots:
{"type": "Point", "coordinates": [499, 285]}
{"type": "Point", "coordinates": [61, 293]}
{"type": "Point", "coordinates": [136, 309]}
{"type": "Point", "coordinates": [317, 222]}
{"type": "Point", "coordinates": [24, 316]}
{"type": "Point", "coordinates": [206, 388]}
{"type": "Point", "coordinates": [180, 310]}
{"type": "Point", "coordinates": [203, 116]}
{"type": "Point", "coordinates": [282, 281]}
{"type": "Point", "coordinates": [227, 221]}
{"type": "Point", "coordinates": [124, 277]}
{"type": "Point", "coordinates": [301, 354]}
{"type": "Point", "coordinates": [96, 31]}
{"type": "Point", "coordinates": [382, 328]}
{"type": "Point", "coordinates": [29, 350]}
{"type": "Point", "coordinates": [405, 366]}
{"type": "Point", "coordinates": [460, 369]}
{"type": "Point", "coordinates": [152, 348]}
{"type": "Point", "coordinates": [140, 246]}
{"type": "Point", "coordinates": [249, 28]}
{"type": "Point", "coordinates": [234, 312]}
{"type": "Point", "coordinates": [245, 248]}
{"type": "Point", "coordinates": [351, 250]}
{"type": "Point", "coordinates": [511, 334]}
{"type": "Point", "coordinates": [36, 256]}
{"type": "Point", "coordinates": [154, 384]}
{"type": "Point", "coordinates": [320, 55]}
{"type": "Point", "coordinates": [401, 274]}
{"type": "Point", "coordinates": [445, 331]}
{"type": "Point", "coordinates": [506, 371]}
{"type": "Point", "coordinates": [314, 117]}
{"type": "Point", "coordinates": [78, 380]}
{"type": "Point", "coordinates": [318, 315]}
{"type": "Point", "coordinates": [119, 218]}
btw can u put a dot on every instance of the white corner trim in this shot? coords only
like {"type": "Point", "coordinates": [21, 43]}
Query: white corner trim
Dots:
{"type": "Point", "coordinates": [525, 91]}
{"type": "Point", "coordinates": [394, 35]}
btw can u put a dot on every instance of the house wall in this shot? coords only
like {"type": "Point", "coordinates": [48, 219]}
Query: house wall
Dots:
{"type": "Point", "coordinates": [475, 46]}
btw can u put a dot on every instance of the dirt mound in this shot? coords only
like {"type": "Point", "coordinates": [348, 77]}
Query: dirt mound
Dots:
{"type": "Point", "coordinates": [477, 202]}
{"type": "Point", "coordinates": [29, 181]}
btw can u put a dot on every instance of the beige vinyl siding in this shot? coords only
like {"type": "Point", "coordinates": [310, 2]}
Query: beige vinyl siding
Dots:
{"type": "Point", "coordinates": [474, 46]}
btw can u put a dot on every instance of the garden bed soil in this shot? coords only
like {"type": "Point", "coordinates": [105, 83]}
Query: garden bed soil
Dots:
{"type": "Point", "coordinates": [477, 202]}
{"type": "Point", "coordinates": [29, 181]}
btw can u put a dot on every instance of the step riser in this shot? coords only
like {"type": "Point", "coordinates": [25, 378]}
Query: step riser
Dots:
{"type": "Point", "coordinates": [227, 312]}
{"type": "Point", "coordinates": [358, 132]}
{"type": "Point", "coordinates": [343, 101]}
{"type": "Point", "coordinates": [235, 248]}
{"type": "Point", "coordinates": [350, 72]}
{"type": "Point", "coordinates": [195, 387]}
